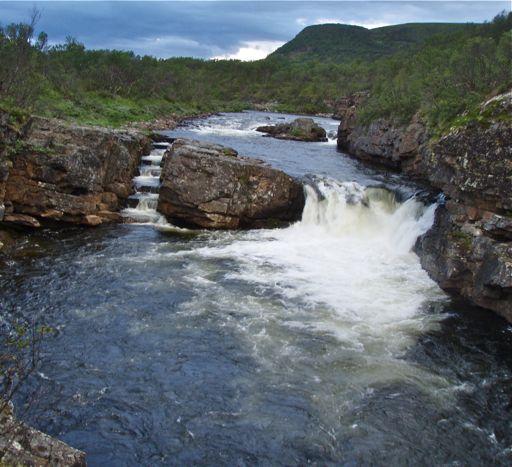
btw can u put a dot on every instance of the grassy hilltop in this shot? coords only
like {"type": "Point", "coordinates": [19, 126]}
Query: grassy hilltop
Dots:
{"type": "Point", "coordinates": [342, 43]}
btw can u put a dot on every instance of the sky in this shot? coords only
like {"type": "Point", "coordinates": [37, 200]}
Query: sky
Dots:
{"type": "Point", "coordinates": [245, 30]}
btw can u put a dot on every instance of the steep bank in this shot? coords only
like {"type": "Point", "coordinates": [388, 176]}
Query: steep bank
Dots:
{"type": "Point", "coordinates": [55, 171]}
{"type": "Point", "coordinates": [381, 143]}
{"type": "Point", "coordinates": [468, 251]}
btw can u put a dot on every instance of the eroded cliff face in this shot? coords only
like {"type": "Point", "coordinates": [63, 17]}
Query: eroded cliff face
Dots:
{"type": "Point", "coordinates": [468, 250]}
{"type": "Point", "coordinates": [51, 170]}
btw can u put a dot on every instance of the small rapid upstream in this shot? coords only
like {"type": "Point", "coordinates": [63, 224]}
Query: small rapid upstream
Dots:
{"type": "Point", "coordinates": [324, 342]}
{"type": "Point", "coordinates": [143, 202]}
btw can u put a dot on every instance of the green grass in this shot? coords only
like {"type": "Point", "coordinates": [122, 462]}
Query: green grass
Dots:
{"type": "Point", "coordinates": [95, 108]}
{"type": "Point", "coordinates": [109, 111]}
{"type": "Point", "coordinates": [17, 116]}
{"type": "Point", "coordinates": [463, 239]}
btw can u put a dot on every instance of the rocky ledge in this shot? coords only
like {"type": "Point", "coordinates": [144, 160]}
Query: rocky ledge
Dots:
{"type": "Point", "coordinates": [54, 171]}
{"type": "Point", "coordinates": [301, 129]}
{"type": "Point", "coordinates": [468, 251]}
{"type": "Point", "coordinates": [23, 445]}
{"type": "Point", "coordinates": [211, 186]}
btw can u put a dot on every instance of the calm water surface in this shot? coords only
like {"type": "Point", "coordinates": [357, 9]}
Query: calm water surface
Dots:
{"type": "Point", "coordinates": [322, 343]}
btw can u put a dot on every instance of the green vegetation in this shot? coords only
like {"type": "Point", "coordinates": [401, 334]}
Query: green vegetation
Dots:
{"type": "Point", "coordinates": [437, 70]}
{"type": "Point", "coordinates": [341, 43]}
{"type": "Point", "coordinates": [19, 357]}
{"type": "Point", "coordinates": [462, 238]}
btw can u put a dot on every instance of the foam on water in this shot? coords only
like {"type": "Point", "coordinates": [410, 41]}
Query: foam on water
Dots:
{"type": "Point", "coordinates": [348, 260]}
{"type": "Point", "coordinates": [148, 181]}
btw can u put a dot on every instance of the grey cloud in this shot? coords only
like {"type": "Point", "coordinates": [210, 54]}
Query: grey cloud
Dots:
{"type": "Point", "coordinates": [206, 29]}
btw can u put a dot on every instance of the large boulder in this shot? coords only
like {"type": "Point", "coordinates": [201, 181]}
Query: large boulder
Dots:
{"type": "Point", "coordinates": [301, 129]}
{"type": "Point", "coordinates": [69, 173]}
{"type": "Point", "coordinates": [210, 186]}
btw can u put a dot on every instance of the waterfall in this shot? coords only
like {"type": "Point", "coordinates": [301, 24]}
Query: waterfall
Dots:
{"type": "Point", "coordinates": [347, 209]}
{"type": "Point", "coordinates": [144, 201]}
{"type": "Point", "coordinates": [351, 256]}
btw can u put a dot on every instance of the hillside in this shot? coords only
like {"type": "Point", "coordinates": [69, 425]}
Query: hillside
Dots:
{"type": "Point", "coordinates": [342, 42]}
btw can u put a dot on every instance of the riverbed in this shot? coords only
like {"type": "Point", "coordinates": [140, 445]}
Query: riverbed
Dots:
{"type": "Point", "coordinates": [324, 342]}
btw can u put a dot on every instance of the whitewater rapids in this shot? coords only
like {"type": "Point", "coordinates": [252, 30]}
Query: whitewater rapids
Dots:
{"type": "Point", "coordinates": [348, 263]}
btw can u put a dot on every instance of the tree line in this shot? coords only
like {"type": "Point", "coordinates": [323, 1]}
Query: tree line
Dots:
{"type": "Point", "coordinates": [447, 74]}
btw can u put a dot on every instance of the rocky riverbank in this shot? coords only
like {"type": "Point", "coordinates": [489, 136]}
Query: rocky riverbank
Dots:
{"type": "Point", "coordinates": [382, 143]}
{"type": "Point", "coordinates": [468, 251]}
{"type": "Point", "coordinates": [52, 171]}
{"type": "Point", "coordinates": [23, 445]}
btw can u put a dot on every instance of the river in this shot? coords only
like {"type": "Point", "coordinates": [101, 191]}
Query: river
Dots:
{"type": "Point", "coordinates": [324, 342]}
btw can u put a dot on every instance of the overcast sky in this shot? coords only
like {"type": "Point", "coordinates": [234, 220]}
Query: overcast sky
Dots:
{"type": "Point", "coordinates": [246, 30]}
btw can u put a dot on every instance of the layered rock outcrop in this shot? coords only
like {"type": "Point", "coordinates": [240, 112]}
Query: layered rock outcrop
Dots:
{"type": "Point", "coordinates": [381, 143]}
{"type": "Point", "coordinates": [56, 171]}
{"type": "Point", "coordinates": [210, 186]}
{"type": "Point", "coordinates": [301, 129]}
{"type": "Point", "coordinates": [469, 248]}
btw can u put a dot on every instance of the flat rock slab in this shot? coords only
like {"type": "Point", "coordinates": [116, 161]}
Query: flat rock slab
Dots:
{"type": "Point", "coordinates": [210, 186]}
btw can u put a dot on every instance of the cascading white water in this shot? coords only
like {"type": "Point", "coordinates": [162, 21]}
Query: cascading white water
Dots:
{"type": "Point", "coordinates": [147, 184]}
{"type": "Point", "coordinates": [350, 260]}
{"type": "Point", "coordinates": [373, 214]}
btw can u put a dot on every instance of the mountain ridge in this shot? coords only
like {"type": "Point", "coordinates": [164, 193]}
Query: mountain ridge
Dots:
{"type": "Point", "coordinates": [344, 42]}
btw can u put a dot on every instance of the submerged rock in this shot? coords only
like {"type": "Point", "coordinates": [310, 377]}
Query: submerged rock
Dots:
{"type": "Point", "coordinates": [301, 129]}
{"type": "Point", "coordinates": [210, 186]}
